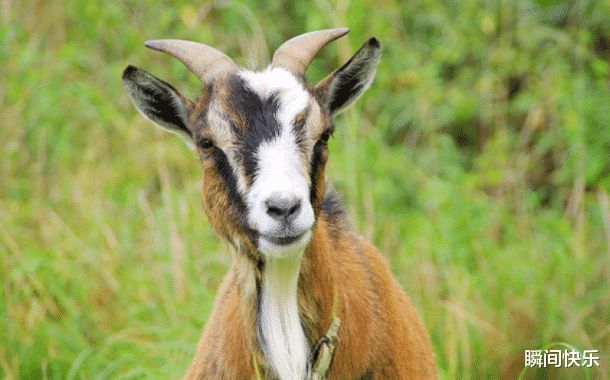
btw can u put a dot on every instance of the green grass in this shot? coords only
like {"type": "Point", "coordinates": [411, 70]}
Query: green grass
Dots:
{"type": "Point", "coordinates": [478, 163]}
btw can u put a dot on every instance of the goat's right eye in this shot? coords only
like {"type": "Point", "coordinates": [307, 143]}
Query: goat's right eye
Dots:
{"type": "Point", "coordinates": [205, 144]}
{"type": "Point", "coordinates": [325, 136]}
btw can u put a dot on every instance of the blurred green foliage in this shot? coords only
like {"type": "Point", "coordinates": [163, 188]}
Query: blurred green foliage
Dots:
{"type": "Point", "coordinates": [478, 162]}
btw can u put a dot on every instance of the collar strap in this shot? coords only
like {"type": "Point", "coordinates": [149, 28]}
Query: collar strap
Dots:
{"type": "Point", "coordinates": [322, 352]}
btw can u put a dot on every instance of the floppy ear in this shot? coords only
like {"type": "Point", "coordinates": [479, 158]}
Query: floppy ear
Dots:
{"type": "Point", "coordinates": [158, 101]}
{"type": "Point", "coordinates": [344, 85]}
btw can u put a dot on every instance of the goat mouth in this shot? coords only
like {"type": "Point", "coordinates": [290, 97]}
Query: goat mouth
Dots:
{"type": "Point", "coordinates": [283, 240]}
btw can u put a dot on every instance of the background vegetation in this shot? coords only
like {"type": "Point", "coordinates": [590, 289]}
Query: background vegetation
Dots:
{"type": "Point", "coordinates": [478, 163]}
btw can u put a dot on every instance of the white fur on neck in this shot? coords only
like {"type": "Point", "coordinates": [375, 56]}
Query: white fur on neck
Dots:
{"type": "Point", "coordinates": [285, 345]}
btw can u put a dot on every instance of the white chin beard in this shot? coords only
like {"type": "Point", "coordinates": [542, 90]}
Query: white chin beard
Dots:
{"type": "Point", "coordinates": [285, 345]}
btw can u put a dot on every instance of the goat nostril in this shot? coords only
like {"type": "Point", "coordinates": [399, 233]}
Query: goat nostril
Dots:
{"type": "Point", "coordinates": [282, 208]}
{"type": "Point", "coordinates": [294, 208]}
{"type": "Point", "coordinates": [275, 211]}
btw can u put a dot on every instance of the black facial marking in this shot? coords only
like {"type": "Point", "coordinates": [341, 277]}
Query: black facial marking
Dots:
{"type": "Point", "coordinates": [260, 116]}
{"type": "Point", "coordinates": [316, 170]}
{"type": "Point", "coordinates": [228, 177]}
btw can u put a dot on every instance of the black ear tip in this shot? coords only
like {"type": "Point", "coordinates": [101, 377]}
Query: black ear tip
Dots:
{"type": "Point", "coordinates": [374, 43]}
{"type": "Point", "coordinates": [129, 72]}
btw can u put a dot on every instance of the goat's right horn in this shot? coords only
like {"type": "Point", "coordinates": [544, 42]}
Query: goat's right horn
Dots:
{"type": "Point", "coordinates": [203, 60]}
{"type": "Point", "coordinates": [297, 53]}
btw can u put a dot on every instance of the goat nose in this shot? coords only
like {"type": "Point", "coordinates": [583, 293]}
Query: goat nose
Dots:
{"type": "Point", "coordinates": [283, 208]}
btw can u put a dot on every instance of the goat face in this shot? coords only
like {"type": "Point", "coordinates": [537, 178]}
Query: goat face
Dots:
{"type": "Point", "coordinates": [262, 140]}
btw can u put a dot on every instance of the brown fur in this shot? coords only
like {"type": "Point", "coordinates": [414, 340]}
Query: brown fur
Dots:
{"type": "Point", "coordinates": [381, 336]}
{"type": "Point", "coordinates": [380, 331]}
{"type": "Point", "coordinates": [220, 211]}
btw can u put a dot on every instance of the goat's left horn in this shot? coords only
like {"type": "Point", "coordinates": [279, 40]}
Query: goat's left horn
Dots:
{"type": "Point", "coordinates": [203, 60]}
{"type": "Point", "coordinates": [297, 53]}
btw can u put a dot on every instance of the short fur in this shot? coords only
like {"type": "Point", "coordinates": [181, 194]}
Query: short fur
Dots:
{"type": "Point", "coordinates": [275, 308]}
{"type": "Point", "coordinates": [380, 331]}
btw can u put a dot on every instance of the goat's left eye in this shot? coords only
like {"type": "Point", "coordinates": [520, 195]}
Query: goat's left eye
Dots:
{"type": "Point", "coordinates": [205, 144]}
{"type": "Point", "coordinates": [325, 136]}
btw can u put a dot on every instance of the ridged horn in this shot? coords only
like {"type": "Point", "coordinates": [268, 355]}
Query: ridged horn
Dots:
{"type": "Point", "coordinates": [297, 53]}
{"type": "Point", "coordinates": [203, 60]}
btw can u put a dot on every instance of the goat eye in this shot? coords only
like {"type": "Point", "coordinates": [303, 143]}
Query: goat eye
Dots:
{"type": "Point", "coordinates": [205, 144]}
{"type": "Point", "coordinates": [325, 136]}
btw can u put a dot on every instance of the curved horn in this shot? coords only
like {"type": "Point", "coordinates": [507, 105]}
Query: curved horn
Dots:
{"type": "Point", "coordinates": [203, 60]}
{"type": "Point", "coordinates": [295, 54]}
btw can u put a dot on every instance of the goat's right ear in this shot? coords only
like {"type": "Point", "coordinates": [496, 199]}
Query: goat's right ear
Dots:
{"type": "Point", "coordinates": [343, 86]}
{"type": "Point", "coordinates": [158, 101]}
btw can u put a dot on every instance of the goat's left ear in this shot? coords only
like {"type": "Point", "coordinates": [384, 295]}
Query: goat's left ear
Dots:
{"type": "Point", "coordinates": [343, 86]}
{"type": "Point", "coordinates": [158, 101]}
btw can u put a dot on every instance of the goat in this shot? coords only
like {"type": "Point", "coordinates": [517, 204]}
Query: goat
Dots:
{"type": "Point", "coordinates": [305, 297]}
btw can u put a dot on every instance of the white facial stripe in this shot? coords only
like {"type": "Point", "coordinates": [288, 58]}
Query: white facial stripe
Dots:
{"type": "Point", "coordinates": [281, 169]}
{"type": "Point", "coordinates": [278, 81]}
{"type": "Point", "coordinates": [293, 100]}
{"type": "Point", "coordinates": [280, 159]}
